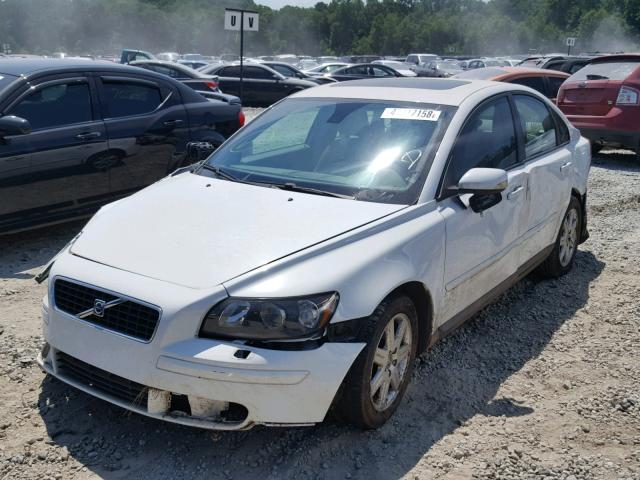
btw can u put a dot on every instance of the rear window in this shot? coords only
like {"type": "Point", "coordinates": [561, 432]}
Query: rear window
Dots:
{"type": "Point", "coordinates": [5, 80]}
{"type": "Point", "coordinates": [605, 71]}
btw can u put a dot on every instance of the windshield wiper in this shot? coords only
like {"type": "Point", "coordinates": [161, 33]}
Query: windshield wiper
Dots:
{"type": "Point", "coordinates": [292, 187]}
{"type": "Point", "coordinates": [222, 173]}
{"type": "Point", "coordinates": [593, 76]}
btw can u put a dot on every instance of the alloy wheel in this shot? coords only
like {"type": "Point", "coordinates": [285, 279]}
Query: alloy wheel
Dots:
{"type": "Point", "coordinates": [568, 237]}
{"type": "Point", "coordinates": [390, 362]}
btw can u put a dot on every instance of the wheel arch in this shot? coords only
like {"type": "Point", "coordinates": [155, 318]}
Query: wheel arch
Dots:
{"type": "Point", "coordinates": [582, 199]}
{"type": "Point", "coordinates": [421, 298]}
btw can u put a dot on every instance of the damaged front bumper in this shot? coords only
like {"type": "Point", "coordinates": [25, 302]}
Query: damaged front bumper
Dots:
{"type": "Point", "coordinates": [198, 382]}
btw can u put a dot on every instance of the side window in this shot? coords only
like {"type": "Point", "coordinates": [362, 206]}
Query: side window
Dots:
{"type": "Point", "coordinates": [487, 140]}
{"type": "Point", "coordinates": [412, 59]}
{"type": "Point", "coordinates": [55, 106]}
{"type": "Point", "coordinates": [537, 83]}
{"type": "Point", "coordinates": [230, 72]}
{"type": "Point", "coordinates": [256, 72]}
{"type": "Point", "coordinates": [125, 99]}
{"type": "Point", "coordinates": [358, 70]}
{"type": "Point", "coordinates": [282, 70]}
{"type": "Point", "coordinates": [554, 85]}
{"type": "Point", "coordinates": [380, 72]}
{"type": "Point", "coordinates": [537, 124]}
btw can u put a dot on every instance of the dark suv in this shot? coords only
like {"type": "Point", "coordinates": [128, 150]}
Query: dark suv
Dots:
{"type": "Point", "coordinates": [75, 135]}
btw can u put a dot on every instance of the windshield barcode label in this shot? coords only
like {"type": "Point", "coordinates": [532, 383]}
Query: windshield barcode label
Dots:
{"type": "Point", "coordinates": [411, 114]}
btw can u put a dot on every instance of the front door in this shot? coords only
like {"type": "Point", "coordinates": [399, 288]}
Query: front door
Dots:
{"type": "Point", "coordinates": [147, 128]}
{"type": "Point", "coordinates": [67, 138]}
{"type": "Point", "coordinates": [481, 248]}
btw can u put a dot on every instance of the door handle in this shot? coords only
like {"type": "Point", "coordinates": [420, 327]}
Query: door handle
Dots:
{"type": "Point", "coordinates": [565, 166]}
{"type": "Point", "coordinates": [88, 136]}
{"type": "Point", "coordinates": [173, 123]}
{"type": "Point", "coordinates": [515, 192]}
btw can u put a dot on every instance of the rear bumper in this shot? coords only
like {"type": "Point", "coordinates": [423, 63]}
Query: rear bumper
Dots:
{"type": "Point", "coordinates": [617, 128]}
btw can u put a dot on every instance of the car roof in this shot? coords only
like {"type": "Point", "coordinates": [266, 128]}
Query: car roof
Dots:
{"type": "Point", "coordinates": [409, 89]}
{"type": "Point", "coordinates": [619, 57]}
{"type": "Point", "coordinates": [273, 62]}
{"type": "Point", "coordinates": [30, 66]}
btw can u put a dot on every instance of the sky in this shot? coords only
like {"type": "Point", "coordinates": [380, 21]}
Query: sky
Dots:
{"type": "Point", "coordinates": [282, 3]}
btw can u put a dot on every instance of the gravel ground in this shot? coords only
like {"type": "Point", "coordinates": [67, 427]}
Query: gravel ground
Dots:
{"type": "Point", "coordinates": [542, 384]}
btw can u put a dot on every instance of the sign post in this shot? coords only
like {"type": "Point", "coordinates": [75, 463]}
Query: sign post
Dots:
{"type": "Point", "coordinates": [250, 24]}
{"type": "Point", "coordinates": [571, 41]}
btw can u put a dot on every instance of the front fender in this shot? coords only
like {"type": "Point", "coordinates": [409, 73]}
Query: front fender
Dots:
{"type": "Point", "coordinates": [363, 265]}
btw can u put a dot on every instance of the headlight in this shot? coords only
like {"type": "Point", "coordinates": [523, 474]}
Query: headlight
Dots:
{"type": "Point", "coordinates": [270, 318]}
{"type": "Point", "coordinates": [44, 272]}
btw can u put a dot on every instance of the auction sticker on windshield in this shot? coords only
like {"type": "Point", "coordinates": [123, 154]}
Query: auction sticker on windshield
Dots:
{"type": "Point", "coordinates": [411, 114]}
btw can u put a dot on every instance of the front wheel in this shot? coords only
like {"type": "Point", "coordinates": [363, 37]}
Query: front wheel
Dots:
{"type": "Point", "coordinates": [380, 375]}
{"type": "Point", "coordinates": [564, 251]}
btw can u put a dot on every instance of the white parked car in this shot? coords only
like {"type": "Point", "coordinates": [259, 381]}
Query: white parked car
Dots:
{"type": "Point", "coordinates": [400, 67]}
{"type": "Point", "coordinates": [309, 260]}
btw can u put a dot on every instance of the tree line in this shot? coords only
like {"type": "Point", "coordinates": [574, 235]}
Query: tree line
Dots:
{"type": "Point", "coordinates": [384, 27]}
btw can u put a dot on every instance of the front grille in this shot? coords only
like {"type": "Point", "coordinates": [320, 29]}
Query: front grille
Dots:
{"type": "Point", "coordinates": [129, 317]}
{"type": "Point", "coordinates": [98, 379]}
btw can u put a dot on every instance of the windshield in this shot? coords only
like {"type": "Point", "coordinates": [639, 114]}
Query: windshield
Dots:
{"type": "Point", "coordinates": [481, 73]}
{"type": "Point", "coordinates": [604, 71]}
{"type": "Point", "coordinates": [378, 151]}
{"type": "Point", "coordinates": [449, 65]}
{"type": "Point", "coordinates": [426, 58]}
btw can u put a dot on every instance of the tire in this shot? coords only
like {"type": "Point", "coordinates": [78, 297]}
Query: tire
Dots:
{"type": "Point", "coordinates": [356, 405]}
{"type": "Point", "coordinates": [561, 258]}
{"type": "Point", "coordinates": [596, 147]}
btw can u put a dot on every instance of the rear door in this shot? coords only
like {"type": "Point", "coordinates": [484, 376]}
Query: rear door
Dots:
{"type": "Point", "coordinates": [229, 80]}
{"type": "Point", "coordinates": [548, 162]}
{"type": "Point", "coordinates": [265, 86]}
{"type": "Point", "coordinates": [64, 150]}
{"type": "Point", "coordinates": [147, 128]}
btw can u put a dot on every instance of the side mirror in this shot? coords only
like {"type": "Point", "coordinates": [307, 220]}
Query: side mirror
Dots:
{"type": "Point", "coordinates": [11, 125]}
{"type": "Point", "coordinates": [483, 180]}
{"type": "Point", "coordinates": [485, 184]}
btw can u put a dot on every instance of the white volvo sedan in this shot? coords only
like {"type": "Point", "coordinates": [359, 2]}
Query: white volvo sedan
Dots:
{"type": "Point", "coordinates": [307, 261]}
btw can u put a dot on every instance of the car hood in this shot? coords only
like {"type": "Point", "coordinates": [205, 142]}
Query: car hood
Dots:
{"type": "Point", "coordinates": [199, 232]}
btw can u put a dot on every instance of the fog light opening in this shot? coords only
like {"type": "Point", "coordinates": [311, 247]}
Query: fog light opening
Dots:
{"type": "Point", "coordinates": [158, 401]}
{"type": "Point", "coordinates": [205, 408]}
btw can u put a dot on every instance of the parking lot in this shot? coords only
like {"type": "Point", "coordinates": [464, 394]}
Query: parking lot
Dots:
{"type": "Point", "coordinates": [541, 384]}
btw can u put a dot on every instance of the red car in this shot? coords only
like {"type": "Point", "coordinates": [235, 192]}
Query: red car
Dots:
{"type": "Point", "coordinates": [602, 101]}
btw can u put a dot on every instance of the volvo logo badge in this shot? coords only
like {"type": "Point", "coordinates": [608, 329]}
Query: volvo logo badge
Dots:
{"type": "Point", "coordinates": [99, 307]}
